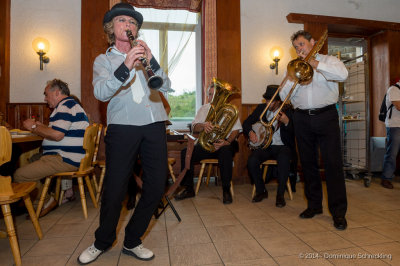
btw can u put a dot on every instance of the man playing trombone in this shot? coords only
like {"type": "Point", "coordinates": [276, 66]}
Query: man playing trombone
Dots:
{"type": "Point", "coordinates": [317, 128]}
{"type": "Point", "coordinates": [282, 147]}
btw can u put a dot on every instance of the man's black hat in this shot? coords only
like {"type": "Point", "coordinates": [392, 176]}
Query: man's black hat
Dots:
{"type": "Point", "coordinates": [270, 91]}
{"type": "Point", "coordinates": [123, 9]}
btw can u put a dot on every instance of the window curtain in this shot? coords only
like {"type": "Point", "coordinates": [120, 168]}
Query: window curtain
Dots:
{"type": "Point", "coordinates": [209, 42]}
{"type": "Point", "coordinates": [190, 5]}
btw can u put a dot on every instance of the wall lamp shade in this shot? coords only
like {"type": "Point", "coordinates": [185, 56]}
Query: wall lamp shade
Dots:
{"type": "Point", "coordinates": [41, 47]}
{"type": "Point", "coordinates": [276, 54]}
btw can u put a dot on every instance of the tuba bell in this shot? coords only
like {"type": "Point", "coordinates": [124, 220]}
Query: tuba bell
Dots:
{"type": "Point", "coordinates": [222, 115]}
{"type": "Point", "coordinates": [301, 72]}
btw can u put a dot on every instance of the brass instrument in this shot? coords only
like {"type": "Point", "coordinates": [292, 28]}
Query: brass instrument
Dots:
{"type": "Point", "coordinates": [222, 115]}
{"type": "Point", "coordinates": [154, 82]}
{"type": "Point", "coordinates": [301, 72]}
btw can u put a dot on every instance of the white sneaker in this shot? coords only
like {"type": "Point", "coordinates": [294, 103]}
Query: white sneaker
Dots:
{"type": "Point", "coordinates": [139, 252]}
{"type": "Point", "coordinates": [89, 255]}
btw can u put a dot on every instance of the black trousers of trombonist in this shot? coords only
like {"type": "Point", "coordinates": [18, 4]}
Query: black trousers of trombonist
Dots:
{"type": "Point", "coordinates": [123, 144]}
{"type": "Point", "coordinates": [321, 131]}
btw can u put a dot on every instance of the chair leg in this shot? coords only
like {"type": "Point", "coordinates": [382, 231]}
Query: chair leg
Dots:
{"type": "Point", "coordinates": [289, 189]}
{"type": "Point", "coordinates": [83, 198]}
{"type": "Point", "coordinates": [60, 198]}
{"type": "Point", "coordinates": [34, 219]}
{"type": "Point", "coordinates": [94, 180]}
{"type": "Point", "coordinates": [171, 172]}
{"type": "Point", "coordinates": [11, 233]}
{"type": "Point", "coordinates": [200, 178]}
{"type": "Point", "coordinates": [43, 196]}
{"type": "Point", "coordinates": [91, 192]}
{"type": "Point", "coordinates": [232, 189]}
{"type": "Point", "coordinates": [100, 186]}
{"type": "Point", "coordinates": [58, 189]}
{"type": "Point", "coordinates": [210, 167]}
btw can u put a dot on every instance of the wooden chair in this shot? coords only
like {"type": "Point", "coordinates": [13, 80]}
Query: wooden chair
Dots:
{"type": "Point", "coordinates": [13, 192]}
{"type": "Point", "coordinates": [211, 164]}
{"type": "Point", "coordinates": [95, 160]}
{"type": "Point", "coordinates": [101, 164]}
{"type": "Point", "coordinates": [171, 161]}
{"type": "Point", "coordinates": [85, 170]}
{"type": "Point", "coordinates": [265, 164]}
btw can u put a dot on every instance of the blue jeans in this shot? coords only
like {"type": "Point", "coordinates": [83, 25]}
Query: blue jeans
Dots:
{"type": "Point", "coordinates": [392, 149]}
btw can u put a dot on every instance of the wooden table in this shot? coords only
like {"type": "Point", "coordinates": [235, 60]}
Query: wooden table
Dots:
{"type": "Point", "coordinates": [28, 145]}
{"type": "Point", "coordinates": [25, 138]}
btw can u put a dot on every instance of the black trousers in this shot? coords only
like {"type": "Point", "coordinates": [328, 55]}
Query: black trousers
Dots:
{"type": "Point", "coordinates": [321, 131]}
{"type": "Point", "coordinates": [281, 154]}
{"type": "Point", "coordinates": [123, 144]}
{"type": "Point", "coordinates": [225, 159]}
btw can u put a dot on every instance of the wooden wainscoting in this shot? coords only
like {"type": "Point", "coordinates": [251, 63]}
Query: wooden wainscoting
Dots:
{"type": "Point", "coordinates": [16, 113]}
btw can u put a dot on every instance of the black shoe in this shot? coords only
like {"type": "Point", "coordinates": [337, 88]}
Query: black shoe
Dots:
{"type": "Point", "coordinates": [186, 193]}
{"type": "Point", "coordinates": [309, 213]}
{"type": "Point", "coordinates": [260, 196]}
{"type": "Point", "coordinates": [340, 223]}
{"type": "Point", "coordinates": [280, 201]}
{"type": "Point", "coordinates": [386, 184]}
{"type": "Point", "coordinates": [227, 197]}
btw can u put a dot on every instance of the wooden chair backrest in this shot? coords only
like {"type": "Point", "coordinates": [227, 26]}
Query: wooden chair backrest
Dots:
{"type": "Point", "coordinates": [89, 143]}
{"type": "Point", "coordinates": [5, 187]}
{"type": "Point", "coordinates": [5, 145]}
{"type": "Point", "coordinates": [96, 148]}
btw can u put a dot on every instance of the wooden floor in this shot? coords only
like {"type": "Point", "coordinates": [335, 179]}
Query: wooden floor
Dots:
{"type": "Point", "coordinates": [243, 233]}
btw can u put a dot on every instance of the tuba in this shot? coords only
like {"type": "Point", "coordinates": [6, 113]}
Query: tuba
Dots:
{"type": "Point", "coordinates": [301, 72]}
{"type": "Point", "coordinates": [222, 115]}
{"type": "Point", "coordinates": [154, 82]}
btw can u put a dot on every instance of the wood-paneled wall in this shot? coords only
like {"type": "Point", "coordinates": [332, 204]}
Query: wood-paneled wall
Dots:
{"type": "Point", "coordinates": [93, 43]}
{"type": "Point", "coordinates": [229, 68]}
{"type": "Point", "coordinates": [18, 112]}
{"type": "Point", "coordinates": [4, 53]}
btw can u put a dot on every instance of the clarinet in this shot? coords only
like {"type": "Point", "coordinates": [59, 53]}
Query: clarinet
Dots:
{"type": "Point", "coordinates": [153, 81]}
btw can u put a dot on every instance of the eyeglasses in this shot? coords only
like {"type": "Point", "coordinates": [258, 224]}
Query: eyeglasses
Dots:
{"type": "Point", "coordinates": [123, 20]}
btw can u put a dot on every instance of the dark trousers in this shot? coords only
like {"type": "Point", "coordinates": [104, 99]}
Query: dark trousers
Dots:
{"type": "Point", "coordinates": [224, 156]}
{"type": "Point", "coordinates": [321, 131]}
{"type": "Point", "coordinates": [281, 154]}
{"type": "Point", "coordinates": [123, 144]}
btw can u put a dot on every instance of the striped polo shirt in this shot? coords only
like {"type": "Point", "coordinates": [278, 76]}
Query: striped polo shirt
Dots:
{"type": "Point", "coordinates": [69, 118]}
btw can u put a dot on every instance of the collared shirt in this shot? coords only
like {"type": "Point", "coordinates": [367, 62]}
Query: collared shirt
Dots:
{"type": "Point", "coordinates": [323, 89]}
{"type": "Point", "coordinates": [69, 118]}
{"type": "Point", "coordinates": [131, 101]}
{"type": "Point", "coordinates": [202, 115]}
{"type": "Point", "coordinates": [393, 94]}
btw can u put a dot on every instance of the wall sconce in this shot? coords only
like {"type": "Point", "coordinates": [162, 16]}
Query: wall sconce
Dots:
{"type": "Point", "coordinates": [41, 47]}
{"type": "Point", "coordinates": [276, 54]}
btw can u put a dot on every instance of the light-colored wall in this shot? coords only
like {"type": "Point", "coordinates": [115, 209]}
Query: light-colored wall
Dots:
{"type": "Point", "coordinates": [264, 25]}
{"type": "Point", "coordinates": [59, 21]}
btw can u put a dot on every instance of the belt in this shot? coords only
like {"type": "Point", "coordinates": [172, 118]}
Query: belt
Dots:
{"type": "Point", "coordinates": [316, 111]}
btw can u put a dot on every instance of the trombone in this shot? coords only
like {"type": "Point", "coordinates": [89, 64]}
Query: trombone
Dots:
{"type": "Point", "coordinates": [301, 72]}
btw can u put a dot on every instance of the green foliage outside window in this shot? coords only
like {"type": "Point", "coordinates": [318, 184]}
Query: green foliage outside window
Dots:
{"type": "Point", "coordinates": [183, 107]}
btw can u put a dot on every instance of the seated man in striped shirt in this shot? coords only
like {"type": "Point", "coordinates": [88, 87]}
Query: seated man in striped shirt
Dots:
{"type": "Point", "coordinates": [63, 139]}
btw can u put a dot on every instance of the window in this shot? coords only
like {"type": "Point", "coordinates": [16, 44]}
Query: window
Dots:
{"type": "Point", "coordinates": [174, 37]}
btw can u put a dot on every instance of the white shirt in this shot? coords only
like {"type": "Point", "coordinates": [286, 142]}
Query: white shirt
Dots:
{"type": "Point", "coordinates": [393, 94]}
{"type": "Point", "coordinates": [276, 138]}
{"type": "Point", "coordinates": [202, 115]}
{"type": "Point", "coordinates": [323, 89]}
{"type": "Point", "coordinates": [131, 102]}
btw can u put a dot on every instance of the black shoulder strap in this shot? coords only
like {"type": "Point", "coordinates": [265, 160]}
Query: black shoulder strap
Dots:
{"type": "Point", "coordinates": [396, 85]}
